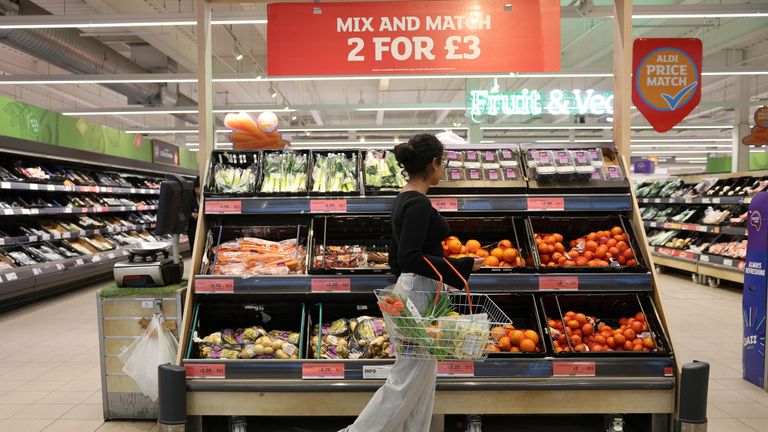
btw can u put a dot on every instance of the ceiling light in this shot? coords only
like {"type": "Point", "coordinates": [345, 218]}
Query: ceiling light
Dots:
{"type": "Point", "coordinates": [694, 140]}
{"type": "Point", "coordinates": [194, 149]}
{"type": "Point", "coordinates": [649, 146]}
{"type": "Point", "coordinates": [651, 153]}
{"type": "Point", "coordinates": [252, 110]}
{"type": "Point", "coordinates": [419, 108]}
{"type": "Point", "coordinates": [701, 15]}
{"type": "Point", "coordinates": [138, 111]}
{"type": "Point", "coordinates": [691, 158]}
{"type": "Point", "coordinates": [580, 140]}
{"type": "Point", "coordinates": [237, 53]}
{"type": "Point", "coordinates": [110, 21]}
{"type": "Point", "coordinates": [294, 118]}
{"type": "Point", "coordinates": [487, 141]}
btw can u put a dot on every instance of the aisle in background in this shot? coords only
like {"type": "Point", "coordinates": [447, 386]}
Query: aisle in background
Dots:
{"type": "Point", "coordinates": [49, 370]}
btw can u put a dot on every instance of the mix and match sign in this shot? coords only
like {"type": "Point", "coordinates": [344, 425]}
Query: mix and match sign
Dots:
{"type": "Point", "coordinates": [414, 37]}
{"type": "Point", "coordinates": [667, 79]}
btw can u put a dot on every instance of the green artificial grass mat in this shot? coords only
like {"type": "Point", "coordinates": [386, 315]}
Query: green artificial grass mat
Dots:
{"type": "Point", "coordinates": [115, 291]}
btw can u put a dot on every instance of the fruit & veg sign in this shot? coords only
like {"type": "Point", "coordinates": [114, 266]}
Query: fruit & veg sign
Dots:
{"type": "Point", "coordinates": [413, 37]}
{"type": "Point", "coordinates": [754, 301]}
{"type": "Point", "coordinates": [666, 85]}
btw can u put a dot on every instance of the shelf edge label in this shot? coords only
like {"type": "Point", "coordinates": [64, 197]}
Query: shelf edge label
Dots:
{"type": "Point", "coordinates": [454, 369]}
{"type": "Point", "coordinates": [573, 368]}
{"type": "Point", "coordinates": [214, 286]}
{"type": "Point", "coordinates": [206, 370]}
{"type": "Point", "coordinates": [445, 204]}
{"type": "Point", "coordinates": [558, 283]}
{"type": "Point", "coordinates": [331, 285]}
{"type": "Point", "coordinates": [376, 372]}
{"type": "Point", "coordinates": [234, 206]}
{"type": "Point", "coordinates": [552, 204]}
{"type": "Point", "coordinates": [322, 371]}
{"type": "Point", "coordinates": [328, 206]}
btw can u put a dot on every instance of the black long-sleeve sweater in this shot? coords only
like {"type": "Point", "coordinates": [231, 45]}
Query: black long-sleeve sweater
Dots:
{"type": "Point", "coordinates": [417, 230]}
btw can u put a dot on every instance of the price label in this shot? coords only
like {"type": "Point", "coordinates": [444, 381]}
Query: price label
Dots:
{"type": "Point", "coordinates": [133, 190]}
{"type": "Point", "coordinates": [322, 371]}
{"type": "Point", "coordinates": [445, 204]}
{"type": "Point", "coordinates": [68, 210]}
{"type": "Point", "coordinates": [36, 271]}
{"type": "Point", "coordinates": [704, 258]}
{"type": "Point", "coordinates": [575, 368]}
{"type": "Point", "coordinates": [728, 261]}
{"type": "Point", "coordinates": [376, 372]}
{"type": "Point", "coordinates": [215, 371]}
{"type": "Point", "coordinates": [60, 266]}
{"type": "Point", "coordinates": [453, 369]}
{"type": "Point", "coordinates": [5, 185]}
{"type": "Point", "coordinates": [558, 283]}
{"type": "Point", "coordinates": [223, 206]}
{"type": "Point", "coordinates": [34, 211]}
{"type": "Point", "coordinates": [96, 258]}
{"type": "Point", "coordinates": [552, 204]}
{"type": "Point", "coordinates": [214, 286]}
{"type": "Point", "coordinates": [715, 200]}
{"type": "Point", "coordinates": [328, 206]}
{"type": "Point", "coordinates": [34, 186]}
{"type": "Point", "coordinates": [7, 212]}
{"type": "Point", "coordinates": [331, 285]}
{"type": "Point", "coordinates": [657, 200]}
{"type": "Point", "coordinates": [66, 234]}
{"type": "Point", "coordinates": [2, 241]}
{"type": "Point", "coordinates": [11, 277]}
{"type": "Point", "coordinates": [668, 372]}
{"type": "Point", "coordinates": [25, 211]}
{"type": "Point", "coordinates": [51, 187]}
{"type": "Point", "coordinates": [706, 201]}
{"type": "Point", "coordinates": [79, 262]}
{"type": "Point", "coordinates": [109, 190]}
{"type": "Point", "coordinates": [111, 256]}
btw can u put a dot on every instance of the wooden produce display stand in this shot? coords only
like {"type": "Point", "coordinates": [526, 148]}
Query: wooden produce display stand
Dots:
{"type": "Point", "coordinates": [544, 384]}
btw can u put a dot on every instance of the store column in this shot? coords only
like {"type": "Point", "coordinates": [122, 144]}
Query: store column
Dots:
{"type": "Point", "coordinates": [474, 133]}
{"type": "Point", "coordinates": [740, 158]}
{"type": "Point", "coordinates": [622, 76]}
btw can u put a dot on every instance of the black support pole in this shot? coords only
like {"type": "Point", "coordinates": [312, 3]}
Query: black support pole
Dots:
{"type": "Point", "coordinates": [694, 384]}
{"type": "Point", "coordinates": [173, 398]}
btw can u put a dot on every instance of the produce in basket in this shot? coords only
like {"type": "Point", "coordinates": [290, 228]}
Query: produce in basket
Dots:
{"type": "Point", "coordinates": [255, 256]}
{"type": "Point", "coordinates": [229, 179]}
{"type": "Point", "coordinates": [363, 337]}
{"type": "Point", "coordinates": [249, 343]}
{"type": "Point", "coordinates": [596, 249]}
{"type": "Point", "coordinates": [334, 172]}
{"type": "Point", "coordinates": [582, 333]}
{"type": "Point", "coordinates": [348, 256]}
{"type": "Point", "coordinates": [510, 339]}
{"type": "Point", "coordinates": [284, 173]}
{"type": "Point", "coordinates": [382, 170]}
{"type": "Point", "coordinates": [501, 254]}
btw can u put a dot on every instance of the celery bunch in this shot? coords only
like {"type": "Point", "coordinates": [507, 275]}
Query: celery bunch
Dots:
{"type": "Point", "coordinates": [285, 172]}
{"type": "Point", "coordinates": [335, 172]}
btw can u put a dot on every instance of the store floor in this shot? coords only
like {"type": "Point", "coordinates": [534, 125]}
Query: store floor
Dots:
{"type": "Point", "coordinates": [49, 367]}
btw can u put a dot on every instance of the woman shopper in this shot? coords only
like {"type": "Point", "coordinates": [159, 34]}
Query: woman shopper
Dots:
{"type": "Point", "coordinates": [404, 403]}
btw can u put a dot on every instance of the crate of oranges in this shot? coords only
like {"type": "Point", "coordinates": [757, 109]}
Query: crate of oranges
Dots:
{"type": "Point", "coordinates": [523, 336]}
{"type": "Point", "coordinates": [573, 244]}
{"type": "Point", "coordinates": [494, 239]}
{"type": "Point", "coordinates": [617, 324]}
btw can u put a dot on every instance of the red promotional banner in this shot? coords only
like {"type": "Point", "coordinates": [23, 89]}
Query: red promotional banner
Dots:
{"type": "Point", "coordinates": [666, 85]}
{"type": "Point", "coordinates": [413, 37]}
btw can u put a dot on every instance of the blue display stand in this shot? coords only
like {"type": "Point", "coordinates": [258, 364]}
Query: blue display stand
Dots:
{"type": "Point", "coordinates": [754, 298]}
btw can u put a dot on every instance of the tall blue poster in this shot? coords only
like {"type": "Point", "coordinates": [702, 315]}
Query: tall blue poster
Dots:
{"type": "Point", "coordinates": [754, 298]}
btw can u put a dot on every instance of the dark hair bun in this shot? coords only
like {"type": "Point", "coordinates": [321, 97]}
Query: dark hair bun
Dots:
{"type": "Point", "coordinates": [416, 155]}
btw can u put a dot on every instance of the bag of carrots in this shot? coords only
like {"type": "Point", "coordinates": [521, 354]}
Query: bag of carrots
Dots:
{"type": "Point", "coordinates": [254, 256]}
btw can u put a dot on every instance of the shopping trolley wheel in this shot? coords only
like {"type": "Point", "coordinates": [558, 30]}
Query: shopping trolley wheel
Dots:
{"type": "Point", "coordinates": [237, 424]}
{"type": "Point", "coordinates": [474, 423]}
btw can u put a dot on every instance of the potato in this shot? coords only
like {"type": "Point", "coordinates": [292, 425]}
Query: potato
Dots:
{"type": "Point", "coordinates": [258, 350]}
{"type": "Point", "coordinates": [281, 355]}
{"type": "Point", "coordinates": [277, 344]}
{"type": "Point", "coordinates": [295, 357]}
{"type": "Point", "coordinates": [268, 350]}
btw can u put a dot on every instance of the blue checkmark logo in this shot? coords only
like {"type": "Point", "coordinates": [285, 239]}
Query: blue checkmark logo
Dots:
{"type": "Point", "coordinates": [675, 101]}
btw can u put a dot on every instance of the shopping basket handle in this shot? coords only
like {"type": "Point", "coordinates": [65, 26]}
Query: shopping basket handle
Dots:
{"type": "Point", "coordinates": [440, 284]}
{"type": "Point", "coordinates": [466, 284]}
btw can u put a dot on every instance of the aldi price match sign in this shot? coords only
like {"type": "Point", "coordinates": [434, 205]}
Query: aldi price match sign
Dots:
{"type": "Point", "coordinates": [413, 37]}
{"type": "Point", "coordinates": [666, 85]}
{"type": "Point", "coordinates": [754, 298]}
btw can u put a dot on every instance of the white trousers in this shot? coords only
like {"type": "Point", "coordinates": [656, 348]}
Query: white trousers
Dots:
{"type": "Point", "coordinates": [404, 403]}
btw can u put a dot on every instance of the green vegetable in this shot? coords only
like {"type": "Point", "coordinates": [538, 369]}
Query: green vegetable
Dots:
{"type": "Point", "coordinates": [285, 172]}
{"type": "Point", "coordinates": [382, 170]}
{"type": "Point", "coordinates": [230, 179]}
{"type": "Point", "coordinates": [335, 172]}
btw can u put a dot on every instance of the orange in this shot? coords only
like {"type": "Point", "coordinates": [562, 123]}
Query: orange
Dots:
{"type": "Point", "coordinates": [580, 348]}
{"type": "Point", "coordinates": [629, 334]}
{"type": "Point", "coordinates": [446, 250]}
{"type": "Point", "coordinates": [629, 345]}
{"type": "Point", "coordinates": [509, 254]}
{"type": "Point", "coordinates": [492, 348]}
{"type": "Point", "coordinates": [454, 246]}
{"type": "Point", "coordinates": [453, 238]}
{"type": "Point", "coordinates": [572, 324]}
{"type": "Point", "coordinates": [637, 327]}
{"type": "Point", "coordinates": [498, 332]}
{"type": "Point", "coordinates": [629, 254]}
{"type": "Point", "coordinates": [591, 245]}
{"type": "Point", "coordinates": [601, 251]}
{"type": "Point", "coordinates": [640, 317]}
{"type": "Point", "coordinates": [648, 343]}
{"type": "Point", "coordinates": [527, 345]}
{"type": "Point", "coordinates": [588, 329]}
{"type": "Point", "coordinates": [473, 246]}
{"type": "Point", "coordinates": [504, 344]}
{"type": "Point", "coordinates": [575, 340]}
{"type": "Point", "coordinates": [637, 348]}
{"type": "Point", "coordinates": [581, 318]}
{"type": "Point", "coordinates": [463, 249]}
{"type": "Point", "coordinates": [491, 261]}
{"type": "Point", "coordinates": [498, 253]}
{"type": "Point", "coordinates": [599, 339]}
{"type": "Point", "coordinates": [506, 264]}
{"type": "Point", "coordinates": [482, 253]}
{"type": "Point", "coordinates": [558, 237]}
{"type": "Point", "coordinates": [505, 244]}
{"type": "Point", "coordinates": [532, 335]}
{"type": "Point", "coordinates": [516, 336]}
{"type": "Point", "coordinates": [514, 349]}
{"type": "Point", "coordinates": [616, 231]}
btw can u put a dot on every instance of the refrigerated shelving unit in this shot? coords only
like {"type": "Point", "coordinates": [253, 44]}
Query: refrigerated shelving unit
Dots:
{"type": "Point", "coordinates": [613, 384]}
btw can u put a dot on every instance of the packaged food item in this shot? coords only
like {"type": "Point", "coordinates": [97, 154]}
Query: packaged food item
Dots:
{"type": "Point", "coordinates": [382, 170]}
{"type": "Point", "coordinates": [335, 172]}
{"type": "Point", "coordinates": [284, 172]}
{"type": "Point", "coordinates": [363, 337]}
{"type": "Point", "coordinates": [507, 158]}
{"type": "Point", "coordinates": [454, 174]}
{"type": "Point", "coordinates": [564, 163]}
{"type": "Point", "coordinates": [489, 156]}
{"type": "Point", "coordinates": [255, 256]}
{"type": "Point", "coordinates": [454, 158]}
{"type": "Point", "coordinates": [596, 154]}
{"type": "Point", "coordinates": [493, 174]}
{"type": "Point", "coordinates": [473, 174]}
{"type": "Point", "coordinates": [472, 159]}
{"type": "Point", "coordinates": [583, 163]}
{"type": "Point", "coordinates": [249, 343]}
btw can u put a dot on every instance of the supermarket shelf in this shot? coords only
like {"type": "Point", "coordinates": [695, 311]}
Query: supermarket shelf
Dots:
{"type": "Point", "coordinates": [678, 263]}
{"type": "Point", "coordinates": [721, 261]}
{"type": "Point", "coordinates": [8, 241]}
{"type": "Point", "coordinates": [62, 188]}
{"type": "Point", "coordinates": [20, 273]}
{"type": "Point", "coordinates": [721, 272]}
{"type": "Point", "coordinates": [487, 283]}
{"type": "Point", "coordinates": [713, 229]}
{"type": "Point", "coordinates": [697, 200]}
{"type": "Point", "coordinates": [383, 204]}
{"type": "Point", "coordinates": [74, 210]}
{"type": "Point", "coordinates": [492, 368]}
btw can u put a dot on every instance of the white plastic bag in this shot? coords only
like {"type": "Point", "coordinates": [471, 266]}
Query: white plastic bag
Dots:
{"type": "Point", "coordinates": [155, 347]}
{"type": "Point", "coordinates": [448, 137]}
